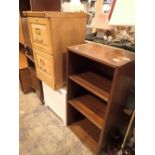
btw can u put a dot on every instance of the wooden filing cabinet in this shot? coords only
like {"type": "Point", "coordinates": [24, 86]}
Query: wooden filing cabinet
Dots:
{"type": "Point", "coordinates": [50, 34]}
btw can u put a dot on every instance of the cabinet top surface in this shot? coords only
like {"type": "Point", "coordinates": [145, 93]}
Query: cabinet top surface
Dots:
{"type": "Point", "coordinates": [108, 55]}
{"type": "Point", "coordinates": [57, 14]}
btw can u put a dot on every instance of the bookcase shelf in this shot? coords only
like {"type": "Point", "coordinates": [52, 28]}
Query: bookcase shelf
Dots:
{"type": "Point", "coordinates": [96, 84]}
{"type": "Point", "coordinates": [90, 107]}
{"type": "Point", "coordinates": [96, 88]}
{"type": "Point", "coordinates": [87, 133]}
{"type": "Point", "coordinates": [30, 57]}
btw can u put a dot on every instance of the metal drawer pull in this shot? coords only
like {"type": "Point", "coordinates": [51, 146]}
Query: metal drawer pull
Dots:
{"type": "Point", "coordinates": [40, 41]}
{"type": "Point", "coordinates": [44, 70]}
{"type": "Point", "coordinates": [38, 31]}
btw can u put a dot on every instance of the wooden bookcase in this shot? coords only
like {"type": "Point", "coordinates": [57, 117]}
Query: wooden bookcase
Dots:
{"type": "Point", "coordinates": [39, 5]}
{"type": "Point", "coordinates": [24, 74]}
{"type": "Point", "coordinates": [99, 78]}
{"type": "Point", "coordinates": [27, 73]}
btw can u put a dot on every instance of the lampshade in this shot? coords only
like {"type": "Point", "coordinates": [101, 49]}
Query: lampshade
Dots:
{"type": "Point", "coordinates": [76, 1]}
{"type": "Point", "coordinates": [123, 13]}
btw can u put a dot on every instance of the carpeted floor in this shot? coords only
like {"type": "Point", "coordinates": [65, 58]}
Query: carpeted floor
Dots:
{"type": "Point", "coordinates": [43, 133]}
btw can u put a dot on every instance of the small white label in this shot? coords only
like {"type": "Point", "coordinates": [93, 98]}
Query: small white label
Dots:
{"type": "Point", "coordinates": [115, 59]}
{"type": "Point", "coordinates": [127, 59]}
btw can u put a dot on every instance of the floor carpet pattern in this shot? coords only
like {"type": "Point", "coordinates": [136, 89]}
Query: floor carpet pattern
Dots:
{"type": "Point", "coordinates": [43, 133]}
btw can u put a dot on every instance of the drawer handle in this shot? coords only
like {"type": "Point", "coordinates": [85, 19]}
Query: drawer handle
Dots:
{"type": "Point", "coordinates": [38, 31]}
{"type": "Point", "coordinates": [44, 70]}
{"type": "Point", "coordinates": [42, 62]}
{"type": "Point", "coordinates": [40, 41]}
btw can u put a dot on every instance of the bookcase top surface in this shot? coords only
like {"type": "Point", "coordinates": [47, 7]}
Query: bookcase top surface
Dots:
{"type": "Point", "coordinates": [107, 55]}
{"type": "Point", "coordinates": [55, 14]}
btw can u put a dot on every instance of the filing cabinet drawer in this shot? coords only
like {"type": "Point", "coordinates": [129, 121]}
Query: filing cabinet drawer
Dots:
{"type": "Point", "coordinates": [40, 33]}
{"type": "Point", "coordinates": [44, 66]}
